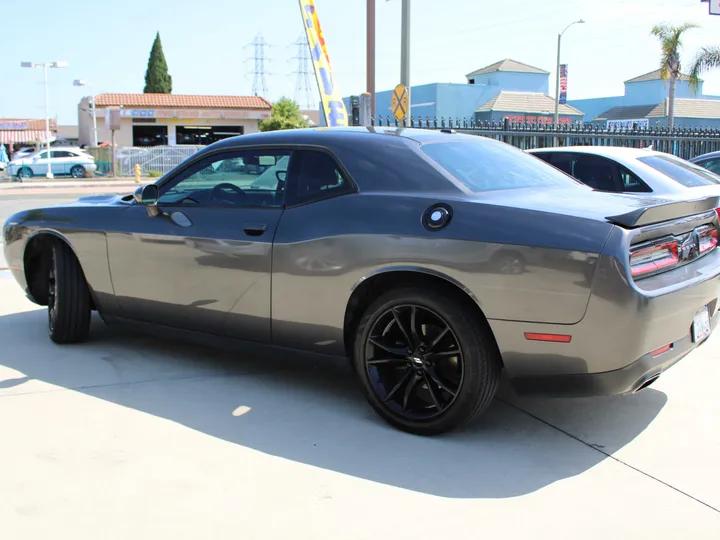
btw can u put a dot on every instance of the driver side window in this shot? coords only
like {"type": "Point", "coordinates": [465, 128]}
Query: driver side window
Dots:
{"type": "Point", "coordinates": [231, 179]}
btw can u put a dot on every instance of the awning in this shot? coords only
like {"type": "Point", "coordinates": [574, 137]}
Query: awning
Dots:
{"type": "Point", "coordinates": [23, 135]}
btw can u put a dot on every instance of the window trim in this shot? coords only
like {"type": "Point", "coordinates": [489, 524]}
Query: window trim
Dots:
{"type": "Point", "coordinates": [292, 180]}
{"type": "Point", "coordinates": [179, 174]}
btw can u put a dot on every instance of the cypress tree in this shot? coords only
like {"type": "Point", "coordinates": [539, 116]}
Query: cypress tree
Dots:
{"type": "Point", "coordinates": [157, 78]}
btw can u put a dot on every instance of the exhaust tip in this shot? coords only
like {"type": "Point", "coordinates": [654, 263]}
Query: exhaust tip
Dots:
{"type": "Point", "coordinates": [647, 383]}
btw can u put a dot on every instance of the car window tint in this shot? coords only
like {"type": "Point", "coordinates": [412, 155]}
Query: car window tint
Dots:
{"type": "Point", "coordinates": [316, 176]}
{"type": "Point", "coordinates": [489, 165]}
{"type": "Point", "coordinates": [42, 155]}
{"type": "Point", "coordinates": [61, 154]}
{"type": "Point", "coordinates": [230, 179]}
{"type": "Point", "coordinates": [712, 165]}
{"type": "Point", "coordinates": [630, 181]}
{"type": "Point", "coordinates": [596, 172]}
{"type": "Point", "coordinates": [683, 172]}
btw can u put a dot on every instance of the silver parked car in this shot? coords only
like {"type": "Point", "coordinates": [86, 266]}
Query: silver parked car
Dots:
{"type": "Point", "coordinates": [631, 170]}
{"type": "Point", "coordinates": [64, 161]}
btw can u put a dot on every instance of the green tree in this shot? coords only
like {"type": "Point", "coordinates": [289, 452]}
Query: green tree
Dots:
{"type": "Point", "coordinates": [285, 115]}
{"type": "Point", "coordinates": [671, 43]}
{"type": "Point", "coordinates": [157, 78]}
{"type": "Point", "coordinates": [707, 58]}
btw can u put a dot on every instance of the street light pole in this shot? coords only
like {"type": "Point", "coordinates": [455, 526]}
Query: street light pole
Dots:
{"type": "Point", "coordinates": [47, 124]}
{"type": "Point", "coordinates": [45, 66]}
{"type": "Point", "coordinates": [92, 101]}
{"type": "Point", "coordinates": [370, 54]}
{"type": "Point", "coordinates": [557, 71]}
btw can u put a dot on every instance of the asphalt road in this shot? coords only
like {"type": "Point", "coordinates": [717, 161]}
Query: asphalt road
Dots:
{"type": "Point", "coordinates": [132, 436]}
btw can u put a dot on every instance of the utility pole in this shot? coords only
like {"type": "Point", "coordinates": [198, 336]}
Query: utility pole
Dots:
{"type": "Point", "coordinates": [405, 53]}
{"type": "Point", "coordinates": [370, 46]}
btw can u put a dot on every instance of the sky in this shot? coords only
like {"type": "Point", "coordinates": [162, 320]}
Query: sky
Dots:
{"type": "Point", "coordinates": [206, 44]}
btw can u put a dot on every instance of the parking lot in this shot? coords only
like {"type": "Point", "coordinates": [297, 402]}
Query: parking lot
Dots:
{"type": "Point", "coordinates": [132, 435]}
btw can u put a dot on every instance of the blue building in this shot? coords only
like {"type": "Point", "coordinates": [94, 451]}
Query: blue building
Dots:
{"type": "Point", "coordinates": [646, 103]}
{"type": "Point", "coordinates": [504, 89]}
{"type": "Point", "coordinates": [520, 92]}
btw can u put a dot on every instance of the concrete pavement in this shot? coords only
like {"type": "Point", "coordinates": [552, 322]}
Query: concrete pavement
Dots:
{"type": "Point", "coordinates": [137, 436]}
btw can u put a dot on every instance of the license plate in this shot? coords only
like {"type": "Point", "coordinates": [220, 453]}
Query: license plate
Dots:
{"type": "Point", "coordinates": [701, 325]}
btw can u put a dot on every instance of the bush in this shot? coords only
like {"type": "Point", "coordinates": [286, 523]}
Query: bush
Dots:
{"type": "Point", "coordinates": [154, 174]}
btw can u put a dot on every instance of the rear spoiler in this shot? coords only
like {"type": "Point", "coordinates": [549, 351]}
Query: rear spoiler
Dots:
{"type": "Point", "coordinates": [666, 210]}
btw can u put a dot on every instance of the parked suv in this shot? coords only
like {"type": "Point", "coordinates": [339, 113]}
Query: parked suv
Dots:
{"type": "Point", "coordinates": [64, 161]}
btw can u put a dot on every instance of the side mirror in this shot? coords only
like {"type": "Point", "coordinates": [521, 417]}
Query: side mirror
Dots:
{"type": "Point", "coordinates": [148, 195]}
{"type": "Point", "coordinates": [281, 175]}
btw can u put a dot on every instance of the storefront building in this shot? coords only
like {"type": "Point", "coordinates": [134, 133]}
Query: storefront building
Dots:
{"type": "Point", "coordinates": [16, 132]}
{"type": "Point", "coordinates": [169, 119]}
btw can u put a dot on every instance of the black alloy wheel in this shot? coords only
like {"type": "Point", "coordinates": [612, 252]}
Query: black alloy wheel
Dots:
{"type": "Point", "coordinates": [414, 361]}
{"type": "Point", "coordinates": [426, 360]}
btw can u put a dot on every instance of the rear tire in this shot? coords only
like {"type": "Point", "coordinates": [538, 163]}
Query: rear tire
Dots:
{"type": "Point", "coordinates": [435, 378]}
{"type": "Point", "coordinates": [78, 171]}
{"type": "Point", "coordinates": [68, 297]}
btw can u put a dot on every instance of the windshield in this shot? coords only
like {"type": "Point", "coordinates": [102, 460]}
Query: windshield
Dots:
{"type": "Point", "coordinates": [683, 172]}
{"type": "Point", "coordinates": [486, 165]}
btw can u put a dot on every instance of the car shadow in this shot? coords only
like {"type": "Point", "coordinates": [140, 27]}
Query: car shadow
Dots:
{"type": "Point", "coordinates": [310, 410]}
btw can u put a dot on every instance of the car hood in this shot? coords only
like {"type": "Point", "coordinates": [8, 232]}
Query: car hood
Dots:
{"type": "Point", "coordinates": [586, 203]}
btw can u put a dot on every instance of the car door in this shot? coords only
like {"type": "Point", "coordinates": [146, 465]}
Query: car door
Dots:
{"type": "Point", "coordinates": [308, 252]}
{"type": "Point", "coordinates": [204, 262]}
{"type": "Point", "coordinates": [60, 162]}
{"type": "Point", "coordinates": [39, 163]}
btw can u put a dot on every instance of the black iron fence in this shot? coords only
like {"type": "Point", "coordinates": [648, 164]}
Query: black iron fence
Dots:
{"type": "Point", "coordinates": [683, 142]}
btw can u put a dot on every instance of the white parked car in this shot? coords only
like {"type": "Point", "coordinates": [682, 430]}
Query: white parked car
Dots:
{"type": "Point", "coordinates": [64, 161]}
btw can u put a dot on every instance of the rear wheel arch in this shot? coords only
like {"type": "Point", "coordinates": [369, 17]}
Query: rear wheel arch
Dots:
{"type": "Point", "coordinates": [367, 290]}
{"type": "Point", "coordinates": [36, 263]}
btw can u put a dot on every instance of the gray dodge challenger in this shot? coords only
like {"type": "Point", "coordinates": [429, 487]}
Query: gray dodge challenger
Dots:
{"type": "Point", "coordinates": [433, 260]}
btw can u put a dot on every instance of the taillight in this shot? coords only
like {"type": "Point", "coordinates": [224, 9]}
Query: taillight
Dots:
{"type": "Point", "coordinates": [717, 211]}
{"type": "Point", "coordinates": [708, 239]}
{"type": "Point", "coordinates": [653, 258]}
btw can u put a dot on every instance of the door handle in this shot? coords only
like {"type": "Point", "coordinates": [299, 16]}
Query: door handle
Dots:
{"type": "Point", "coordinates": [254, 229]}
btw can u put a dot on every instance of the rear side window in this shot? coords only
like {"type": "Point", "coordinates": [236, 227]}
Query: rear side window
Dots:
{"type": "Point", "coordinates": [683, 172]}
{"type": "Point", "coordinates": [487, 165]}
{"type": "Point", "coordinates": [712, 165]}
{"type": "Point", "coordinates": [315, 176]}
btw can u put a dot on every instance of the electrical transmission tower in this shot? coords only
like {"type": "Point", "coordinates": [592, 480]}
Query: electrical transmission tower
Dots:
{"type": "Point", "coordinates": [259, 82]}
{"type": "Point", "coordinates": [305, 89]}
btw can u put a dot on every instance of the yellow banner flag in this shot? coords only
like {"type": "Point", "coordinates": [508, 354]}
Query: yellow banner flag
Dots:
{"type": "Point", "coordinates": [333, 106]}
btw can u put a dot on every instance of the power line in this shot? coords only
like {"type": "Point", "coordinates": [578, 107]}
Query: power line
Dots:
{"type": "Point", "coordinates": [304, 88]}
{"type": "Point", "coordinates": [259, 81]}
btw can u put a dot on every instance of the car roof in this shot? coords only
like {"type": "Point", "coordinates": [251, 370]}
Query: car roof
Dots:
{"type": "Point", "coordinates": [709, 155]}
{"type": "Point", "coordinates": [615, 152]}
{"type": "Point", "coordinates": [325, 135]}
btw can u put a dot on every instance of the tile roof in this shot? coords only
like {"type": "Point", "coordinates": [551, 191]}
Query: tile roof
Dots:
{"type": "Point", "coordinates": [655, 76]}
{"type": "Point", "coordinates": [507, 65]}
{"type": "Point", "coordinates": [33, 123]}
{"type": "Point", "coordinates": [633, 112]}
{"type": "Point", "coordinates": [684, 108]}
{"type": "Point", "coordinates": [182, 101]}
{"type": "Point", "coordinates": [528, 102]}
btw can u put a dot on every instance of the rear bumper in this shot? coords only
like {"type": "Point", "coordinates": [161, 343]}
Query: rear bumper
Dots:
{"type": "Point", "coordinates": [610, 351]}
{"type": "Point", "coordinates": [625, 380]}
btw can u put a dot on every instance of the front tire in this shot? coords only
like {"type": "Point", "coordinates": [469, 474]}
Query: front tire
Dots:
{"type": "Point", "coordinates": [68, 297]}
{"type": "Point", "coordinates": [78, 171]}
{"type": "Point", "coordinates": [425, 361]}
{"type": "Point", "coordinates": [24, 172]}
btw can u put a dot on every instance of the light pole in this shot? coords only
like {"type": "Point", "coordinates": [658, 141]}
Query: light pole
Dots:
{"type": "Point", "coordinates": [557, 80]}
{"type": "Point", "coordinates": [405, 51]}
{"type": "Point", "coordinates": [45, 66]}
{"type": "Point", "coordinates": [80, 82]}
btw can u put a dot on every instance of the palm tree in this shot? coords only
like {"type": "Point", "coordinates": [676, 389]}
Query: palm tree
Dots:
{"type": "Point", "coordinates": [671, 42]}
{"type": "Point", "coordinates": [707, 58]}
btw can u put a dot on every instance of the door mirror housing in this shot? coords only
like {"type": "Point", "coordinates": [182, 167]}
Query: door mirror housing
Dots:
{"type": "Point", "coordinates": [147, 194]}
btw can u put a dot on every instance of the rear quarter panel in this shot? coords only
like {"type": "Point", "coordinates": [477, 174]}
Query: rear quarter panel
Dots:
{"type": "Point", "coordinates": [323, 250]}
